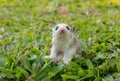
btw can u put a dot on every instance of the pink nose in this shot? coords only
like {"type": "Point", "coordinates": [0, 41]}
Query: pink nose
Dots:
{"type": "Point", "coordinates": [62, 30]}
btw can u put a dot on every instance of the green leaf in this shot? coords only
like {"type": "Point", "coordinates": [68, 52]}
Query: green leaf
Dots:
{"type": "Point", "coordinates": [109, 78]}
{"type": "Point", "coordinates": [81, 72]}
{"type": "Point", "coordinates": [75, 77]}
{"type": "Point", "coordinates": [53, 71]}
{"type": "Point", "coordinates": [26, 62]}
{"type": "Point", "coordinates": [19, 71]}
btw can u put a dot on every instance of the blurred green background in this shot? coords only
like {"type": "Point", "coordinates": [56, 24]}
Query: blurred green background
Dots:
{"type": "Point", "coordinates": [25, 38]}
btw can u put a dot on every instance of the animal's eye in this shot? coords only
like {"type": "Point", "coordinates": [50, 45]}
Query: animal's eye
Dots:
{"type": "Point", "coordinates": [56, 28]}
{"type": "Point", "coordinates": [67, 28]}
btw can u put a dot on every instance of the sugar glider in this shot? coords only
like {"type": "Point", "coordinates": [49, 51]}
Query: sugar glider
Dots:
{"type": "Point", "coordinates": [65, 44]}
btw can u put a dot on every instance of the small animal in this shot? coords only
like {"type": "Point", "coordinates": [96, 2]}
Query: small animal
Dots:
{"type": "Point", "coordinates": [65, 44]}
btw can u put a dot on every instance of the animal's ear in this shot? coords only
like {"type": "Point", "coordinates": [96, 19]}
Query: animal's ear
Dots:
{"type": "Point", "coordinates": [73, 29]}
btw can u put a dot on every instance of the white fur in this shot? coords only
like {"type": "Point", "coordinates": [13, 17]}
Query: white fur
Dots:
{"type": "Point", "coordinates": [64, 46]}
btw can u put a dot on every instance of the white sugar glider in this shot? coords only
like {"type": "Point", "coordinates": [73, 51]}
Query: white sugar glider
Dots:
{"type": "Point", "coordinates": [65, 44]}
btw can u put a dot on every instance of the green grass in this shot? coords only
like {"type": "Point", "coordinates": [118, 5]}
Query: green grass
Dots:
{"type": "Point", "coordinates": [25, 38]}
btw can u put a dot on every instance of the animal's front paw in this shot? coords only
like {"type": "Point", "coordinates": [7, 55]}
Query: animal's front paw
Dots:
{"type": "Point", "coordinates": [66, 61]}
{"type": "Point", "coordinates": [52, 56]}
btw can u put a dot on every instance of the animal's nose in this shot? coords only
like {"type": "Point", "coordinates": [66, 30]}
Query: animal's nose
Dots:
{"type": "Point", "coordinates": [62, 30]}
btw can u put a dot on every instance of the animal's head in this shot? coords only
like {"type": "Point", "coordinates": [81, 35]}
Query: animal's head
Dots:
{"type": "Point", "coordinates": [61, 30]}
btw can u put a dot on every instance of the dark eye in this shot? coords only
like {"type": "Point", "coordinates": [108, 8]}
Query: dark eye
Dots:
{"type": "Point", "coordinates": [67, 28]}
{"type": "Point", "coordinates": [56, 28]}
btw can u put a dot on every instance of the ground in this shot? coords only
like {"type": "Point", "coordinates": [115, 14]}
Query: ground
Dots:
{"type": "Point", "coordinates": [25, 38]}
